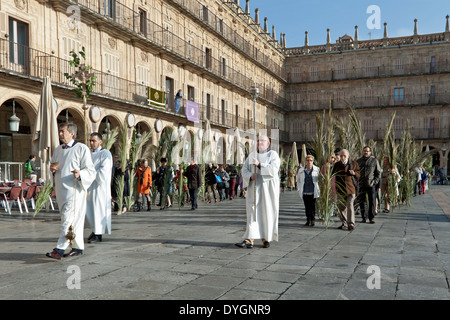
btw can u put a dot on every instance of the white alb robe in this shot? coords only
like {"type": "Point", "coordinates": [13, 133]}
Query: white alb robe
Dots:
{"type": "Point", "coordinates": [265, 224]}
{"type": "Point", "coordinates": [98, 209]}
{"type": "Point", "coordinates": [71, 192]}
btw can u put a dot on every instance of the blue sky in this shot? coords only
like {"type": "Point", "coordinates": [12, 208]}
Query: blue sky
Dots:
{"type": "Point", "coordinates": [294, 17]}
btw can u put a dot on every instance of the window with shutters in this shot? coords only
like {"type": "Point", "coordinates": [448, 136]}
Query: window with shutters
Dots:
{"type": "Point", "coordinates": [111, 85]}
{"type": "Point", "coordinates": [313, 73]}
{"type": "Point", "coordinates": [224, 67]}
{"type": "Point", "coordinates": [68, 44]}
{"type": "Point", "coordinates": [208, 58]}
{"type": "Point", "coordinates": [143, 79]}
{"type": "Point", "coordinates": [370, 68]}
{"type": "Point", "coordinates": [340, 71]}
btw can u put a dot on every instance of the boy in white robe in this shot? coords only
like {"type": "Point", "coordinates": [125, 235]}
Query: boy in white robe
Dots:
{"type": "Point", "coordinates": [262, 223]}
{"type": "Point", "coordinates": [98, 210]}
{"type": "Point", "coordinates": [73, 174]}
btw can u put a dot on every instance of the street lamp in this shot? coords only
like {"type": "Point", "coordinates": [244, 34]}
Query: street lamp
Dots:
{"type": "Point", "coordinates": [14, 120]}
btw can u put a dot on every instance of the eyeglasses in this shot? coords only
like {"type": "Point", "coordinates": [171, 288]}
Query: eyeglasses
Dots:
{"type": "Point", "coordinates": [309, 160]}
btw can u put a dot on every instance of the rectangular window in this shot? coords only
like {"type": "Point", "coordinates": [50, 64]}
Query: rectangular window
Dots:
{"type": "Point", "coordinates": [170, 93]}
{"type": "Point", "coordinates": [313, 73]}
{"type": "Point", "coordinates": [370, 68]}
{"type": "Point", "coordinates": [18, 35]}
{"type": "Point", "coordinates": [191, 93]}
{"type": "Point", "coordinates": [68, 44]}
{"type": "Point", "coordinates": [340, 71]}
{"type": "Point", "coordinates": [432, 95]}
{"type": "Point", "coordinates": [208, 58]}
{"type": "Point", "coordinates": [399, 94]}
{"type": "Point", "coordinates": [143, 22]}
{"type": "Point", "coordinates": [112, 77]}
{"type": "Point", "coordinates": [398, 66]}
{"type": "Point", "coordinates": [143, 79]}
{"type": "Point", "coordinates": [205, 14]}
{"type": "Point", "coordinates": [110, 8]}
{"type": "Point", "coordinates": [224, 65]}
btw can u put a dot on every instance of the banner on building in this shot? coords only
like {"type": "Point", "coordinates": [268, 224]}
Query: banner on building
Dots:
{"type": "Point", "coordinates": [192, 111]}
{"type": "Point", "coordinates": [156, 98]}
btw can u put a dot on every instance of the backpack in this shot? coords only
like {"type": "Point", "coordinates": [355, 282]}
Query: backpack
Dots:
{"type": "Point", "coordinates": [424, 176]}
{"type": "Point", "coordinates": [28, 169]}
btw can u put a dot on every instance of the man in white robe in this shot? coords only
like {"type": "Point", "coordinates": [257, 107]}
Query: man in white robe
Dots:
{"type": "Point", "coordinates": [262, 221]}
{"type": "Point", "coordinates": [98, 210]}
{"type": "Point", "coordinates": [73, 174]}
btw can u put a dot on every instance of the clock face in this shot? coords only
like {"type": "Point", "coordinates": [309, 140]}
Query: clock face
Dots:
{"type": "Point", "coordinates": [95, 114]}
{"type": "Point", "coordinates": [158, 125]}
{"type": "Point", "coordinates": [131, 120]}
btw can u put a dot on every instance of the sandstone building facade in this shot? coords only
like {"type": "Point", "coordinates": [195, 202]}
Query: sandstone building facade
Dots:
{"type": "Point", "coordinates": [215, 51]}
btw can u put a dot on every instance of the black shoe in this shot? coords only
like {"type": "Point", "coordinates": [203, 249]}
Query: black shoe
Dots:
{"type": "Point", "coordinates": [149, 208]}
{"type": "Point", "coordinates": [312, 224]}
{"type": "Point", "coordinates": [372, 221]}
{"type": "Point", "coordinates": [138, 206]}
{"type": "Point", "coordinates": [363, 221]}
{"type": "Point", "coordinates": [91, 236]}
{"type": "Point", "coordinates": [266, 244]}
{"type": "Point", "coordinates": [244, 244]}
{"type": "Point", "coordinates": [307, 223]}
{"type": "Point", "coordinates": [96, 238]}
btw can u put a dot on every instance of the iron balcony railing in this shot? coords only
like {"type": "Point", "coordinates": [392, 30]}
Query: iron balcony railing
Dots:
{"type": "Point", "coordinates": [25, 61]}
{"type": "Point", "coordinates": [230, 34]}
{"type": "Point", "coordinates": [369, 72]}
{"type": "Point", "coordinates": [378, 134]}
{"type": "Point", "coordinates": [306, 103]}
{"type": "Point", "coordinates": [157, 35]}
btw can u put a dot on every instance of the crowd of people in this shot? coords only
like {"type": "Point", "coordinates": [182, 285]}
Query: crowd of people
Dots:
{"type": "Point", "coordinates": [355, 184]}
{"type": "Point", "coordinates": [85, 176]}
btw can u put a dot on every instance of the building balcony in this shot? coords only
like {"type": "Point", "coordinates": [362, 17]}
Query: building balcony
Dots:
{"type": "Point", "coordinates": [380, 101]}
{"type": "Point", "coordinates": [372, 72]}
{"type": "Point", "coordinates": [17, 60]}
{"type": "Point", "coordinates": [378, 134]}
{"type": "Point", "coordinates": [125, 23]}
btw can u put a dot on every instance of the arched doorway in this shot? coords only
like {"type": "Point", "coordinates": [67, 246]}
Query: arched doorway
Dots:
{"type": "Point", "coordinates": [15, 147]}
{"type": "Point", "coordinates": [74, 116]}
{"type": "Point", "coordinates": [107, 124]}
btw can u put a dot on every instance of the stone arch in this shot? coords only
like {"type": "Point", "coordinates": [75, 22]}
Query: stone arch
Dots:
{"type": "Point", "coordinates": [75, 115]}
{"type": "Point", "coordinates": [18, 144]}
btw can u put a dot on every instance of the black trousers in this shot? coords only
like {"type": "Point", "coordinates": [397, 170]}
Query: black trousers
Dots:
{"type": "Point", "coordinates": [310, 206]}
{"type": "Point", "coordinates": [371, 196]}
{"type": "Point", "coordinates": [193, 194]}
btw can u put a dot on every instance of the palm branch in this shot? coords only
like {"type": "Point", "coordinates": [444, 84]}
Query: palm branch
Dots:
{"type": "Point", "coordinates": [43, 197]}
{"type": "Point", "coordinates": [110, 138]}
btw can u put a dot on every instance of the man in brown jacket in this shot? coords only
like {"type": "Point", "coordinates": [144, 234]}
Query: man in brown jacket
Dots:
{"type": "Point", "coordinates": [194, 176]}
{"type": "Point", "coordinates": [347, 175]}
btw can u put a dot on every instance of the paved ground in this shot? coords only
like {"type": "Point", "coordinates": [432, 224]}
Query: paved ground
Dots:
{"type": "Point", "coordinates": [183, 254]}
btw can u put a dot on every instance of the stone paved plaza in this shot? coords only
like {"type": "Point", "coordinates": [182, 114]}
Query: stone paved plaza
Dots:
{"type": "Point", "coordinates": [182, 254]}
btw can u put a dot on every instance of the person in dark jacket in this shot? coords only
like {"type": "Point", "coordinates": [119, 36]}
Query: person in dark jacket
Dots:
{"type": "Point", "coordinates": [194, 175]}
{"type": "Point", "coordinates": [347, 173]}
{"type": "Point", "coordinates": [370, 174]}
{"type": "Point", "coordinates": [210, 182]}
